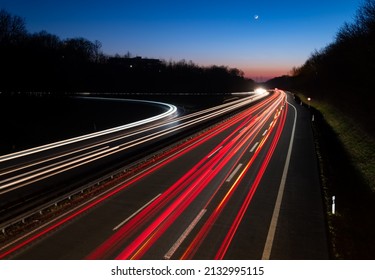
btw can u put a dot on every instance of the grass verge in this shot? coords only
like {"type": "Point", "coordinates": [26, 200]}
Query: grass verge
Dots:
{"type": "Point", "coordinates": [347, 168]}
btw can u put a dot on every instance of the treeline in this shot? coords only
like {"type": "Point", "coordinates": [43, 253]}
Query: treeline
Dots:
{"type": "Point", "coordinates": [343, 72]}
{"type": "Point", "coordinates": [44, 62]}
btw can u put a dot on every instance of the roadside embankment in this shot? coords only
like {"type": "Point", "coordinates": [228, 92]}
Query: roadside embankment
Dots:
{"type": "Point", "coordinates": [347, 167]}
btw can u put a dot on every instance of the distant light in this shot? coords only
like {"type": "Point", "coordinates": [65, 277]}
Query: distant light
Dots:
{"type": "Point", "coordinates": [256, 17]}
{"type": "Point", "coordinates": [260, 91]}
{"type": "Point", "coordinates": [308, 99]}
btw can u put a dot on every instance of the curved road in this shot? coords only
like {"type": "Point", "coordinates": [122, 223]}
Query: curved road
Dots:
{"type": "Point", "coordinates": [247, 188]}
{"type": "Point", "coordinates": [30, 177]}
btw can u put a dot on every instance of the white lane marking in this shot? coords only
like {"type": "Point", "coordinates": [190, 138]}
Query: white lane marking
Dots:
{"type": "Point", "coordinates": [135, 213]}
{"type": "Point", "coordinates": [254, 147]}
{"type": "Point", "coordinates": [275, 216]}
{"type": "Point", "coordinates": [183, 236]}
{"type": "Point", "coordinates": [215, 151]}
{"type": "Point", "coordinates": [264, 133]}
{"type": "Point", "coordinates": [234, 172]}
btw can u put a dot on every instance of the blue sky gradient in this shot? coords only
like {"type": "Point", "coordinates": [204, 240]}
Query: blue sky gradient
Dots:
{"type": "Point", "coordinates": [206, 32]}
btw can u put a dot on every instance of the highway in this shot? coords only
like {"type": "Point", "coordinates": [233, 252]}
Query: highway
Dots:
{"type": "Point", "coordinates": [238, 190]}
{"type": "Point", "coordinates": [34, 175]}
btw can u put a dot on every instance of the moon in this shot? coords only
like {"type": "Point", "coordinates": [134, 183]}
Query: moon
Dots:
{"type": "Point", "coordinates": [256, 17]}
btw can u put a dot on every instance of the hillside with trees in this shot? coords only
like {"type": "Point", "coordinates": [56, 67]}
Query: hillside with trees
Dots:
{"type": "Point", "coordinates": [339, 80]}
{"type": "Point", "coordinates": [342, 73]}
{"type": "Point", "coordinates": [43, 62]}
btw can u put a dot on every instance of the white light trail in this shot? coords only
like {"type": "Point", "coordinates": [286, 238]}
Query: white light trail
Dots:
{"type": "Point", "coordinates": [171, 111]}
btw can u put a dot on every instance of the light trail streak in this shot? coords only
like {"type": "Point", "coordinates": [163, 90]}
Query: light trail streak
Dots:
{"type": "Point", "coordinates": [233, 229]}
{"type": "Point", "coordinates": [275, 215]}
{"type": "Point", "coordinates": [47, 160]}
{"type": "Point", "coordinates": [70, 215]}
{"type": "Point", "coordinates": [149, 236]}
{"type": "Point", "coordinates": [143, 242]}
{"type": "Point", "coordinates": [183, 236]}
{"type": "Point", "coordinates": [214, 152]}
{"type": "Point", "coordinates": [164, 210]}
{"type": "Point", "coordinates": [205, 229]}
{"type": "Point", "coordinates": [181, 195]}
{"type": "Point", "coordinates": [181, 150]}
{"type": "Point", "coordinates": [55, 170]}
{"type": "Point", "coordinates": [172, 110]}
{"type": "Point", "coordinates": [135, 213]}
{"type": "Point", "coordinates": [203, 116]}
{"type": "Point", "coordinates": [162, 200]}
{"type": "Point", "coordinates": [95, 152]}
{"type": "Point", "coordinates": [105, 248]}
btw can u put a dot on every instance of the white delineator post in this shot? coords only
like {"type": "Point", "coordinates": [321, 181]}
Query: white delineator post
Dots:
{"type": "Point", "coordinates": [333, 205]}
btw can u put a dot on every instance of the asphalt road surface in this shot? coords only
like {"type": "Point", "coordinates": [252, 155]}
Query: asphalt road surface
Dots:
{"type": "Point", "coordinates": [247, 188]}
{"type": "Point", "coordinates": [35, 176]}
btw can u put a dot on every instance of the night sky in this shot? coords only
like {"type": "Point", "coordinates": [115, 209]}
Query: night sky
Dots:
{"type": "Point", "coordinates": [264, 38]}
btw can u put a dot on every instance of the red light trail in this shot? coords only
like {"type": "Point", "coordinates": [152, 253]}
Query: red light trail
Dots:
{"type": "Point", "coordinates": [181, 194]}
{"type": "Point", "coordinates": [203, 184]}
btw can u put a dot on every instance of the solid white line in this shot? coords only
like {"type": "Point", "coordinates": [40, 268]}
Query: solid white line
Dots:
{"type": "Point", "coordinates": [234, 172]}
{"type": "Point", "coordinates": [183, 236]}
{"type": "Point", "coordinates": [135, 213]}
{"type": "Point", "coordinates": [215, 151]}
{"type": "Point", "coordinates": [264, 133]}
{"type": "Point", "coordinates": [275, 216]}
{"type": "Point", "coordinates": [254, 147]}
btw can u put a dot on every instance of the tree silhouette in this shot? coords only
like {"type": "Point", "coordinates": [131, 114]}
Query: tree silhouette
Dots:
{"type": "Point", "coordinates": [342, 72]}
{"type": "Point", "coordinates": [12, 29]}
{"type": "Point", "coordinates": [44, 62]}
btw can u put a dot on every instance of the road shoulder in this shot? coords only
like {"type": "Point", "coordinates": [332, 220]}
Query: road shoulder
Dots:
{"type": "Point", "coordinates": [301, 228]}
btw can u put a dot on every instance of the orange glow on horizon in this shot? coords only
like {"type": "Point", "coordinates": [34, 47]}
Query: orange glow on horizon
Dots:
{"type": "Point", "coordinates": [262, 75]}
